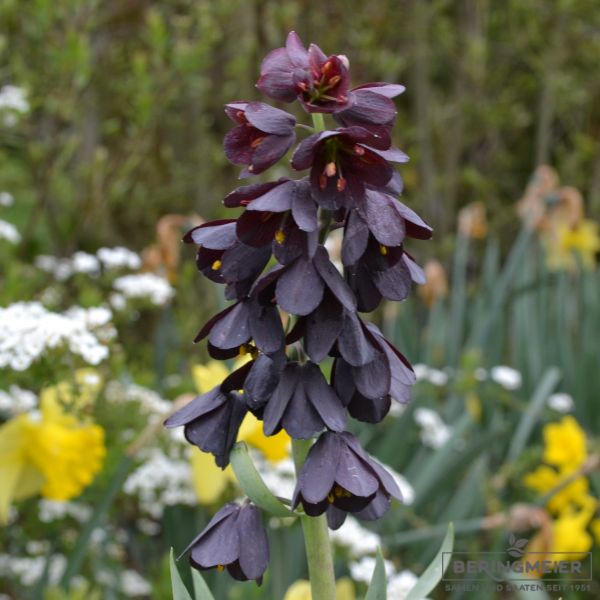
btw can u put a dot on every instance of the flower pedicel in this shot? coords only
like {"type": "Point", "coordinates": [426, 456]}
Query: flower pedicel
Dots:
{"type": "Point", "coordinates": [350, 182]}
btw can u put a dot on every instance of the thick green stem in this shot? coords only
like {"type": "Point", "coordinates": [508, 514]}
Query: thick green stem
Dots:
{"type": "Point", "coordinates": [316, 540]}
{"type": "Point", "coordinates": [318, 122]}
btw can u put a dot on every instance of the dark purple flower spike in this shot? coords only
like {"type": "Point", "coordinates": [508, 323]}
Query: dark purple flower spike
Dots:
{"type": "Point", "coordinates": [339, 473]}
{"type": "Point", "coordinates": [234, 539]}
{"type": "Point", "coordinates": [263, 135]}
{"type": "Point", "coordinates": [272, 258]}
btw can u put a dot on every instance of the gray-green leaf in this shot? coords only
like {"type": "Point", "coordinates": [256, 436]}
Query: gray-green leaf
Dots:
{"type": "Point", "coordinates": [179, 590]}
{"type": "Point", "coordinates": [435, 571]}
{"type": "Point", "coordinates": [253, 485]}
{"type": "Point", "coordinates": [378, 586]}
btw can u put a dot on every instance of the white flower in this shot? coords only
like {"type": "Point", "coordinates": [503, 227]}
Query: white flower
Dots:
{"type": "Point", "coordinates": [9, 232]}
{"type": "Point", "coordinates": [6, 199]}
{"type": "Point", "coordinates": [363, 569]}
{"type": "Point", "coordinates": [561, 402]}
{"type": "Point", "coordinates": [160, 482]}
{"type": "Point", "coordinates": [13, 98]}
{"type": "Point", "coordinates": [85, 263]}
{"type": "Point", "coordinates": [134, 585]}
{"type": "Point", "coordinates": [357, 539]}
{"type": "Point", "coordinates": [400, 584]}
{"type": "Point", "coordinates": [434, 376]}
{"type": "Point", "coordinates": [54, 510]}
{"type": "Point", "coordinates": [119, 258]}
{"type": "Point", "coordinates": [434, 432]}
{"type": "Point", "coordinates": [145, 285]}
{"type": "Point", "coordinates": [150, 402]}
{"type": "Point", "coordinates": [507, 377]}
{"type": "Point", "coordinates": [61, 268]}
{"type": "Point", "coordinates": [28, 331]}
{"type": "Point", "coordinates": [17, 400]}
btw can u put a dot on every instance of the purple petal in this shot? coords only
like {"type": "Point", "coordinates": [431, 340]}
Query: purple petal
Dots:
{"type": "Point", "coordinates": [323, 326]}
{"type": "Point", "coordinates": [388, 482]}
{"type": "Point", "coordinates": [197, 407]}
{"type": "Point", "coordinates": [257, 228]}
{"type": "Point", "coordinates": [356, 236]}
{"type": "Point", "coordinates": [296, 51]}
{"type": "Point", "coordinates": [300, 289]}
{"type": "Point", "coordinates": [304, 154]}
{"type": "Point", "coordinates": [219, 546]}
{"type": "Point", "coordinates": [269, 151]}
{"type": "Point", "coordinates": [233, 329]}
{"type": "Point", "coordinates": [262, 380]}
{"type": "Point", "coordinates": [266, 328]}
{"type": "Point", "coordinates": [360, 281]}
{"type": "Point", "coordinates": [215, 235]}
{"type": "Point", "coordinates": [353, 475]}
{"type": "Point", "coordinates": [323, 398]}
{"type": "Point", "coordinates": [301, 420]}
{"type": "Point", "coordinates": [393, 283]}
{"type": "Point", "coordinates": [254, 545]}
{"type": "Point", "coordinates": [280, 399]}
{"type": "Point", "coordinates": [318, 472]}
{"type": "Point", "coordinates": [237, 145]}
{"type": "Point", "coordinates": [376, 508]}
{"type": "Point", "coordinates": [389, 90]}
{"type": "Point", "coordinates": [383, 219]}
{"type": "Point", "coordinates": [373, 379]}
{"type": "Point", "coordinates": [270, 119]}
{"type": "Point", "coordinates": [278, 199]}
{"type": "Point", "coordinates": [415, 226]}
{"type": "Point", "coordinates": [369, 410]}
{"type": "Point", "coordinates": [352, 342]}
{"type": "Point", "coordinates": [246, 193]}
{"type": "Point", "coordinates": [211, 323]}
{"type": "Point", "coordinates": [416, 273]}
{"type": "Point", "coordinates": [393, 154]}
{"type": "Point", "coordinates": [333, 279]}
{"type": "Point", "coordinates": [276, 76]}
{"type": "Point", "coordinates": [304, 209]}
{"type": "Point", "coordinates": [223, 513]}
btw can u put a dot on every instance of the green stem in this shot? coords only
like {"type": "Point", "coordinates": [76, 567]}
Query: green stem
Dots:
{"type": "Point", "coordinates": [318, 122]}
{"type": "Point", "coordinates": [325, 215]}
{"type": "Point", "coordinates": [316, 540]}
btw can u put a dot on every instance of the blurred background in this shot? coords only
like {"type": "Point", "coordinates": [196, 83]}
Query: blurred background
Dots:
{"type": "Point", "coordinates": [111, 128]}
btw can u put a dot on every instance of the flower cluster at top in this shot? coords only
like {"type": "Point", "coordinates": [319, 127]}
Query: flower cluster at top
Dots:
{"type": "Point", "coordinates": [272, 260]}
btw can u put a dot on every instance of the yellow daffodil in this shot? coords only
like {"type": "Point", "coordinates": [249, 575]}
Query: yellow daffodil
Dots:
{"type": "Point", "coordinates": [571, 539]}
{"type": "Point", "coordinates": [300, 590]}
{"type": "Point", "coordinates": [595, 527]}
{"type": "Point", "coordinates": [51, 452]}
{"type": "Point", "coordinates": [565, 444]}
{"type": "Point", "coordinates": [208, 479]}
{"type": "Point", "coordinates": [568, 247]}
{"type": "Point", "coordinates": [545, 478]}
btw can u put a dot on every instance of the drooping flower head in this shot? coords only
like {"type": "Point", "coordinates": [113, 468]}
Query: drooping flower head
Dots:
{"type": "Point", "coordinates": [318, 81]}
{"type": "Point", "coordinates": [234, 539]}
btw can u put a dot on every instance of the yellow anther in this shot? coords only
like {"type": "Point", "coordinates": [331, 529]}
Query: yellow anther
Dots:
{"type": "Point", "coordinates": [330, 498]}
{"type": "Point", "coordinates": [383, 249]}
{"type": "Point", "coordinates": [279, 236]}
{"type": "Point", "coordinates": [220, 568]}
{"type": "Point", "coordinates": [216, 265]}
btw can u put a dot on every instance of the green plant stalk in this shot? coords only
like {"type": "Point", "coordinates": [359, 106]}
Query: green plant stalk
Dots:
{"type": "Point", "coordinates": [316, 540]}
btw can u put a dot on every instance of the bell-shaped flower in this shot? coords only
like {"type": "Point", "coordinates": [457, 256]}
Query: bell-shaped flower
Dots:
{"type": "Point", "coordinates": [367, 390]}
{"type": "Point", "coordinates": [337, 472]}
{"type": "Point", "coordinates": [234, 539]}
{"type": "Point", "coordinates": [343, 162]}
{"type": "Point", "coordinates": [303, 403]}
{"type": "Point", "coordinates": [318, 81]}
{"type": "Point", "coordinates": [262, 136]}
{"type": "Point", "coordinates": [211, 421]}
